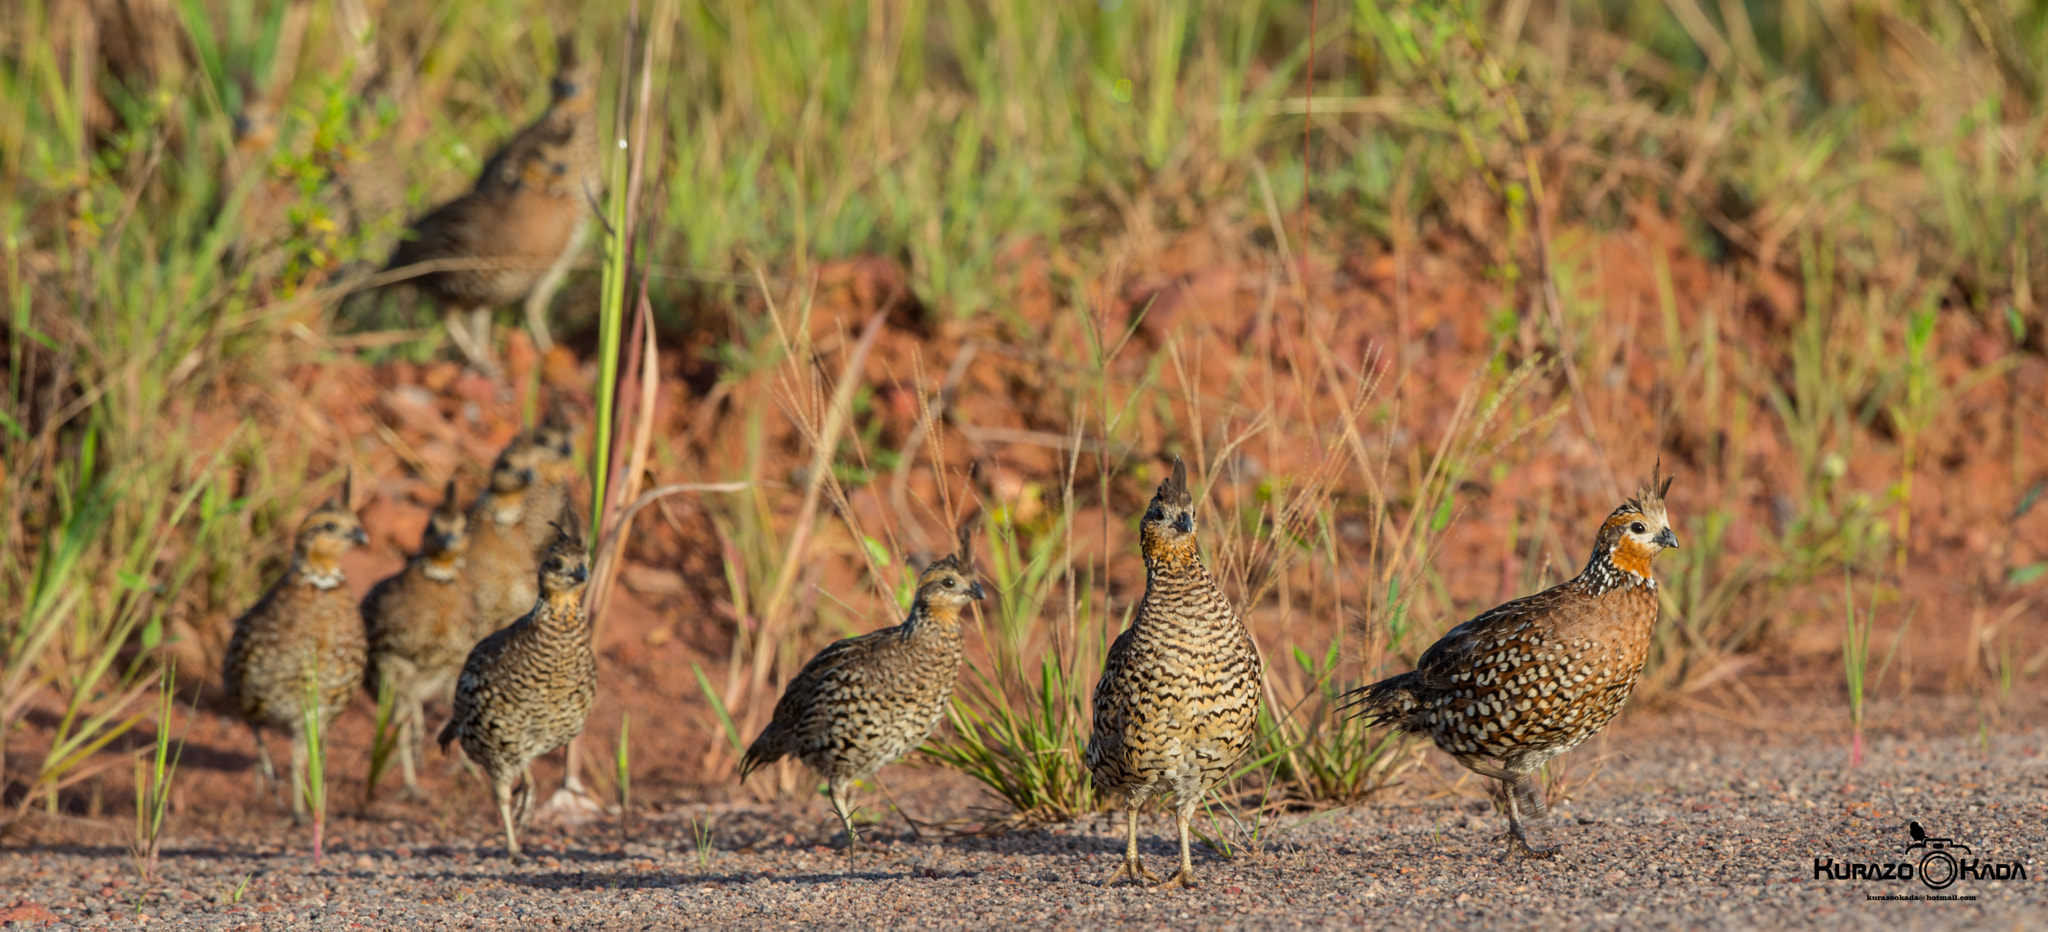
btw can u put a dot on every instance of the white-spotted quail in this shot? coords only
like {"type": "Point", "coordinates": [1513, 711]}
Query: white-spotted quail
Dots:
{"type": "Point", "coordinates": [526, 689]}
{"type": "Point", "coordinates": [1178, 702]}
{"type": "Point", "coordinates": [1529, 680]}
{"type": "Point", "coordinates": [418, 623]}
{"type": "Point", "coordinates": [301, 644]}
{"type": "Point", "coordinates": [866, 701]}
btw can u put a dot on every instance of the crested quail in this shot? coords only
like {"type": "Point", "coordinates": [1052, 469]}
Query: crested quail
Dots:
{"type": "Point", "coordinates": [1530, 679]}
{"type": "Point", "coordinates": [418, 623]}
{"type": "Point", "coordinates": [304, 640]}
{"type": "Point", "coordinates": [1179, 697]}
{"type": "Point", "coordinates": [526, 689]}
{"type": "Point", "coordinates": [500, 575]}
{"type": "Point", "coordinates": [554, 462]}
{"type": "Point", "coordinates": [865, 701]}
{"type": "Point", "coordinates": [521, 224]}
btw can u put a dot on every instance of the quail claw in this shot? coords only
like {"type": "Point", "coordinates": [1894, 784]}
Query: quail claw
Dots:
{"type": "Point", "coordinates": [1133, 870]}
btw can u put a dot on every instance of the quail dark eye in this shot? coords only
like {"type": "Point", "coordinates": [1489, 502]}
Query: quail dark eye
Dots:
{"type": "Point", "coordinates": [1638, 527]}
{"type": "Point", "coordinates": [949, 582]}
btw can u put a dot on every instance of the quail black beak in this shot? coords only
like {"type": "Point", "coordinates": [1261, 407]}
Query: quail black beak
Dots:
{"type": "Point", "coordinates": [1666, 539]}
{"type": "Point", "coordinates": [359, 535]}
{"type": "Point", "coordinates": [974, 591]}
{"type": "Point", "coordinates": [1184, 522]}
{"type": "Point", "coordinates": [581, 573]}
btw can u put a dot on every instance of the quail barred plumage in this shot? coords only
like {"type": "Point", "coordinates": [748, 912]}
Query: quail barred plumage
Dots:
{"type": "Point", "coordinates": [522, 222]}
{"type": "Point", "coordinates": [1178, 702]}
{"type": "Point", "coordinates": [526, 689]}
{"type": "Point", "coordinates": [302, 642]}
{"type": "Point", "coordinates": [418, 622]}
{"type": "Point", "coordinates": [501, 564]}
{"type": "Point", "coordinates": [1531, 679]}
{"type": "Point", "coordinates": [865, 701]}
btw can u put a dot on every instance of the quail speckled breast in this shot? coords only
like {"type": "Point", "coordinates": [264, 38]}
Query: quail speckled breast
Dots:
{"type": "Point", "coordinates": [418, 622]}
{"type": "Point", "coordinates": [302, 644]}
{"type": "Point", "coordinates": [866, 701]}
{"type": "Point", "coordinates": [1524, 682]}
{"type": "Point", "coordinates": [526, 689]}
{"type": "Point", "coordinates": [516, 231]}
{"type": "Point", "coordinates": [1178, 702]}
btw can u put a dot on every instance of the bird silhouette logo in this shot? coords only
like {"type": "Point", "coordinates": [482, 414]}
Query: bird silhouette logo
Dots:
{"type": "Point", "coordinates": [1924, 841]}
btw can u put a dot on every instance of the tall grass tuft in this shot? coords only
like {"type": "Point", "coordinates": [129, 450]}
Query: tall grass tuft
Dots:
{"type": "Point", "coordinates": [1318, 753]}
{"type": "Point", "coordinates": [1856, 630]}
{"type": "Point", "coordinates": [622, 772]}
{"type": "Point", "coordinates": [1021, 728]}
{"type": "Point", "coordinates": [154, 774]}
{"type": "Point", "coordinates": [313, 789]}
{"type": "Point", "coordinates": [384, 740]}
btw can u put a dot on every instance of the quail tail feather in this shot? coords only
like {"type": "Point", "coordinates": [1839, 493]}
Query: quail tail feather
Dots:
{"type": "Point", "coordinates": [1388, 702]}
{"type": "Point", "coordinates": [770, 747]}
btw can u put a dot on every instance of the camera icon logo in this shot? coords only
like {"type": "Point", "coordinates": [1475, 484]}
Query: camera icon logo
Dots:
{"type": "Point", "coordinates": [1938, 868]}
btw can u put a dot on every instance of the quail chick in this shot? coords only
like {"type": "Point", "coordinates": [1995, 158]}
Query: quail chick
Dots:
{"type": "Point", "coordinates": [418, 623]}
{"type": "Point", "coordinates": [302, 642]}
{"type": "Point", "coordinates": [554, 463]}
{"type": "Point", "coordinates": [866, 701]}
{"type": "Point", "coordinates": [1178, 702]}
{"type": "Point", "coordinates": [526, 689]}
{"type": "Point", "coordinates": [500, 575]}
{"type": "Point", "coordinates": [1529, 680]}
{"type": "Point", "coordinates": [522, 223]}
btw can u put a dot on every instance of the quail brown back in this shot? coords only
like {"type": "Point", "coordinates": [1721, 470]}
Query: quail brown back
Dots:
{"type": "Point", "coordinates": [527, 688]}
{"type": "Point", "coordinates": [302, 644]}
{"type": "Point", "coordinates": [1531, 679]}
{"type": "Point", "coordinates": [418, 623]}
{"type": "Point", "coordinates": [1178, 701]}
{"type": "Point", "coordinates": [866, 701]}
{"type": "Point", "coordinates": [522, 220]}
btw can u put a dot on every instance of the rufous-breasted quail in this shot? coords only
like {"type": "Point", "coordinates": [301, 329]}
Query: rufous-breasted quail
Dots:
{"type": "Point", "coordinates": [1528, 680]}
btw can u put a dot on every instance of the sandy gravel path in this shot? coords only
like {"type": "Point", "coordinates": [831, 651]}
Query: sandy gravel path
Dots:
{"type": "Point", "coordinates": [1714, 832]}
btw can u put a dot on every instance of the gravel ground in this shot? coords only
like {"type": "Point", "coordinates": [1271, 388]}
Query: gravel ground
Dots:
{"type": "Point", "coordinates": [1713, 831]}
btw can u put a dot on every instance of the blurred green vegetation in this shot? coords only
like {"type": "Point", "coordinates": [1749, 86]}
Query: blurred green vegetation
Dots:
{"type": "Point", "coordinates": [186, 187]}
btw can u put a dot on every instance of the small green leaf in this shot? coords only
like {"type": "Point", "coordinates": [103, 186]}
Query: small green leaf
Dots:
{"type": "Point", "coordinates": [732, 732]}
{"type": "Point", "coordinates": [134, 582]}
{"type": "Point", "coordinates": [1442, 519]}
{"type": "Point", "coordinates": [2028, 500]}
{"type": "Point", "coordinates": [2022, 575]}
